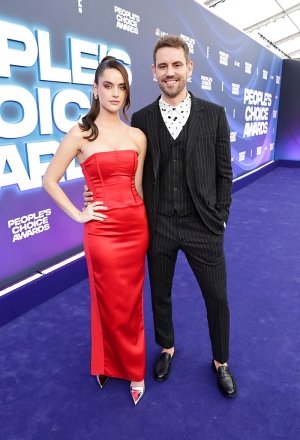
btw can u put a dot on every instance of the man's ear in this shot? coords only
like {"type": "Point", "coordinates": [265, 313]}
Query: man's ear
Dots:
{"type": "Point", "coordinates": [190, 67]}
{"type": "Point", "coordinates": [153, 71]}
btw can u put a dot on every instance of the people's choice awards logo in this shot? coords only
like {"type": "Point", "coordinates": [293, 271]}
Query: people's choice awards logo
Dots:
{"type": "Point", "coordinates": [206, 82]}
{"type": "Point", "coordinates": [233, 136]}
{"type": "Point", "coordinates": [189, 41]}
{"type": "Point", "coordinates": [29, 224]}
{"type": "Point", "coordinates": [242, 156]}
{"type": "Point", "coordinates": [126, 20]}
{"type": "Point", "coordinates": [265, 74]}
{"type": "Point", "coordinates": [223, 58]}
{"type": "Point", "coordinates": [259, 151]}
{"type": "Point", "coordinates": [248, 68]}
{"type": "Point", "coordinates": [256, 112]}
{"type": "Point", "coordinates": [235, 89]}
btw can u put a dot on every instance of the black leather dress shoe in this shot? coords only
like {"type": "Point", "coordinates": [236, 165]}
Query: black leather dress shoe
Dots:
{"type": "Point", "coordinates": [162, 367]}
{"type": "Point", "coordinates": [226, 382]}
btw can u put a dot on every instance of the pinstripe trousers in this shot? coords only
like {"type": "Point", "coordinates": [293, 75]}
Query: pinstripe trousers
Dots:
{"type": "Point", "coordinates": [205, 255]}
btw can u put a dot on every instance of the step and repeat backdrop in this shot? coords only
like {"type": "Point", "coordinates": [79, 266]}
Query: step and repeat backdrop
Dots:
{"type": "Point", "coordinates": [288, 129]}
{"type": "Point", "coordinates": [48, 55]}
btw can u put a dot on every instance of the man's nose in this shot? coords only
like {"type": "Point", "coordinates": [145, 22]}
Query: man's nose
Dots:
{"type": "Point", "coordinates": [169, 71]}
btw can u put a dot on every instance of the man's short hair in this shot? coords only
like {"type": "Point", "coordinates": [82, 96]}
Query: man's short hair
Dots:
{"type": "Point", "coordinates": [171, 41]}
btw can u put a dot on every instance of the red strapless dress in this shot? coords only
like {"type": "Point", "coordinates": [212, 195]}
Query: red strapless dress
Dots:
{"type": "Point", "coordinates": [115, 251]}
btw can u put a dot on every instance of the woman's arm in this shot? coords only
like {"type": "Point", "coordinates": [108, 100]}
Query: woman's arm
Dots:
{"type": "Point", "coordinates": [66, 152]}
{"type": "Point", "coordinates": [141, 142]}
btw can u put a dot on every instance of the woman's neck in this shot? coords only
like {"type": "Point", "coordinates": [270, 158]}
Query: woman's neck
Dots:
{"type": "Point", "coordinates": [108, 119]}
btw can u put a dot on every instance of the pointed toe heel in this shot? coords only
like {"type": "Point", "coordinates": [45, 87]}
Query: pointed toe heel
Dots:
{"type": "Point", "coordinates": [101, 379]}
{"type": "Point", "coordinates": [137, 393]}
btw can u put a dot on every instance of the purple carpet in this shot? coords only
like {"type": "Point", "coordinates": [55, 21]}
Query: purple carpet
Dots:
{"type": "Point", "coordinates": [48, 393]}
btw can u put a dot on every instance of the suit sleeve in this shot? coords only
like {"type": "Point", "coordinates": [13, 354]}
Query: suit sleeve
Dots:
{"type": "Point", "coordinates": [223, 167]}
{"type": "Point", "coordinates": [133, 121]}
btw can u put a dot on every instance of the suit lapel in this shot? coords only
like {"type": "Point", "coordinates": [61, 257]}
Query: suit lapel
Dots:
{"type": "Point", "coordinates": [152, 132]}
{"type": "Point", "coordinates": [193, 129]}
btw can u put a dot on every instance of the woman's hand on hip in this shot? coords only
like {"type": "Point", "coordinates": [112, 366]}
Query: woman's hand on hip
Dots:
{"type": "Point", "coordinates": [87, 196]}
{"type": "Point", "coordinates": [92, 212]}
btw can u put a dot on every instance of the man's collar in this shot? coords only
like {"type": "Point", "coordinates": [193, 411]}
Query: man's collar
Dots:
{"type": "Point", "coordinates": [168, 107]}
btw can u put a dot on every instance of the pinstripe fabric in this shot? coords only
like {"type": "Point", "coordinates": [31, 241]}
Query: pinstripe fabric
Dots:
{"type": "Point", "coordinates": [199, 235]}
{"type": "Point", "coordinates": [174, 193]}
{"type": "Point", "coordinates": [204, 252]}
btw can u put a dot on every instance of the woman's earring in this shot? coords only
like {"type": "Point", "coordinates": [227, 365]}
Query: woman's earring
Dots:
{"type": "Point", "coordinates": [96, 96]}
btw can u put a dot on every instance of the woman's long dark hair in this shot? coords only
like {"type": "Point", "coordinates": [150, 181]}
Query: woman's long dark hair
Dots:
{"type": "Point", "coordinates": [88, 121]}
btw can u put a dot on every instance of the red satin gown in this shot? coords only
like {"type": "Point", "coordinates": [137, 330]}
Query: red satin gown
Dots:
{"type": "Point", "coordinates": [115, 251]}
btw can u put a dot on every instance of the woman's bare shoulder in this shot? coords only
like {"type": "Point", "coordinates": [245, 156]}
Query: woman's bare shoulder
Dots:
{"type": "Point", "coordinates": [138, 135]}
{"type": "Point", "coordinates": [76, 135]}
{"type": "Point", "coordinates": [76, 132]}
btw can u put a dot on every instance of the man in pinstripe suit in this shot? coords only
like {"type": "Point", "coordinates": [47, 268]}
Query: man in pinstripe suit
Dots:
{"type": "Point", "coordinates": [187, 192]}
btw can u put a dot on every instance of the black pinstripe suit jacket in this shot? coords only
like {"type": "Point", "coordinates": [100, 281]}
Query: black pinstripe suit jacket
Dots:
{"type": "Point", "coordinates": [208, 162]}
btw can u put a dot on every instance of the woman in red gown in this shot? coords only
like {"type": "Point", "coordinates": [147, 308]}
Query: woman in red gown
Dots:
{"type": "Point", "coordinates": [111, 155]}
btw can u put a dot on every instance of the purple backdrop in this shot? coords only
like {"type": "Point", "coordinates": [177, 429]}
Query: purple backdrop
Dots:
{"type": "Point", "coordinates": [48, 53]}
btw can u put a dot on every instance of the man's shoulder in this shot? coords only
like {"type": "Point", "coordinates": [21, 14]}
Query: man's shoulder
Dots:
{"type": "Point", "coordinates": [146, 109]}
{"type": "Point", "coordinates": [206, 104]}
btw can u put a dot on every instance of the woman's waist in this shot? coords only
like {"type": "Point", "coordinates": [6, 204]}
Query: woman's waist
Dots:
{"type": "Point", "coordinates": [120, 219]}
{"type": "Point", "coordinates": [116, 203]}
